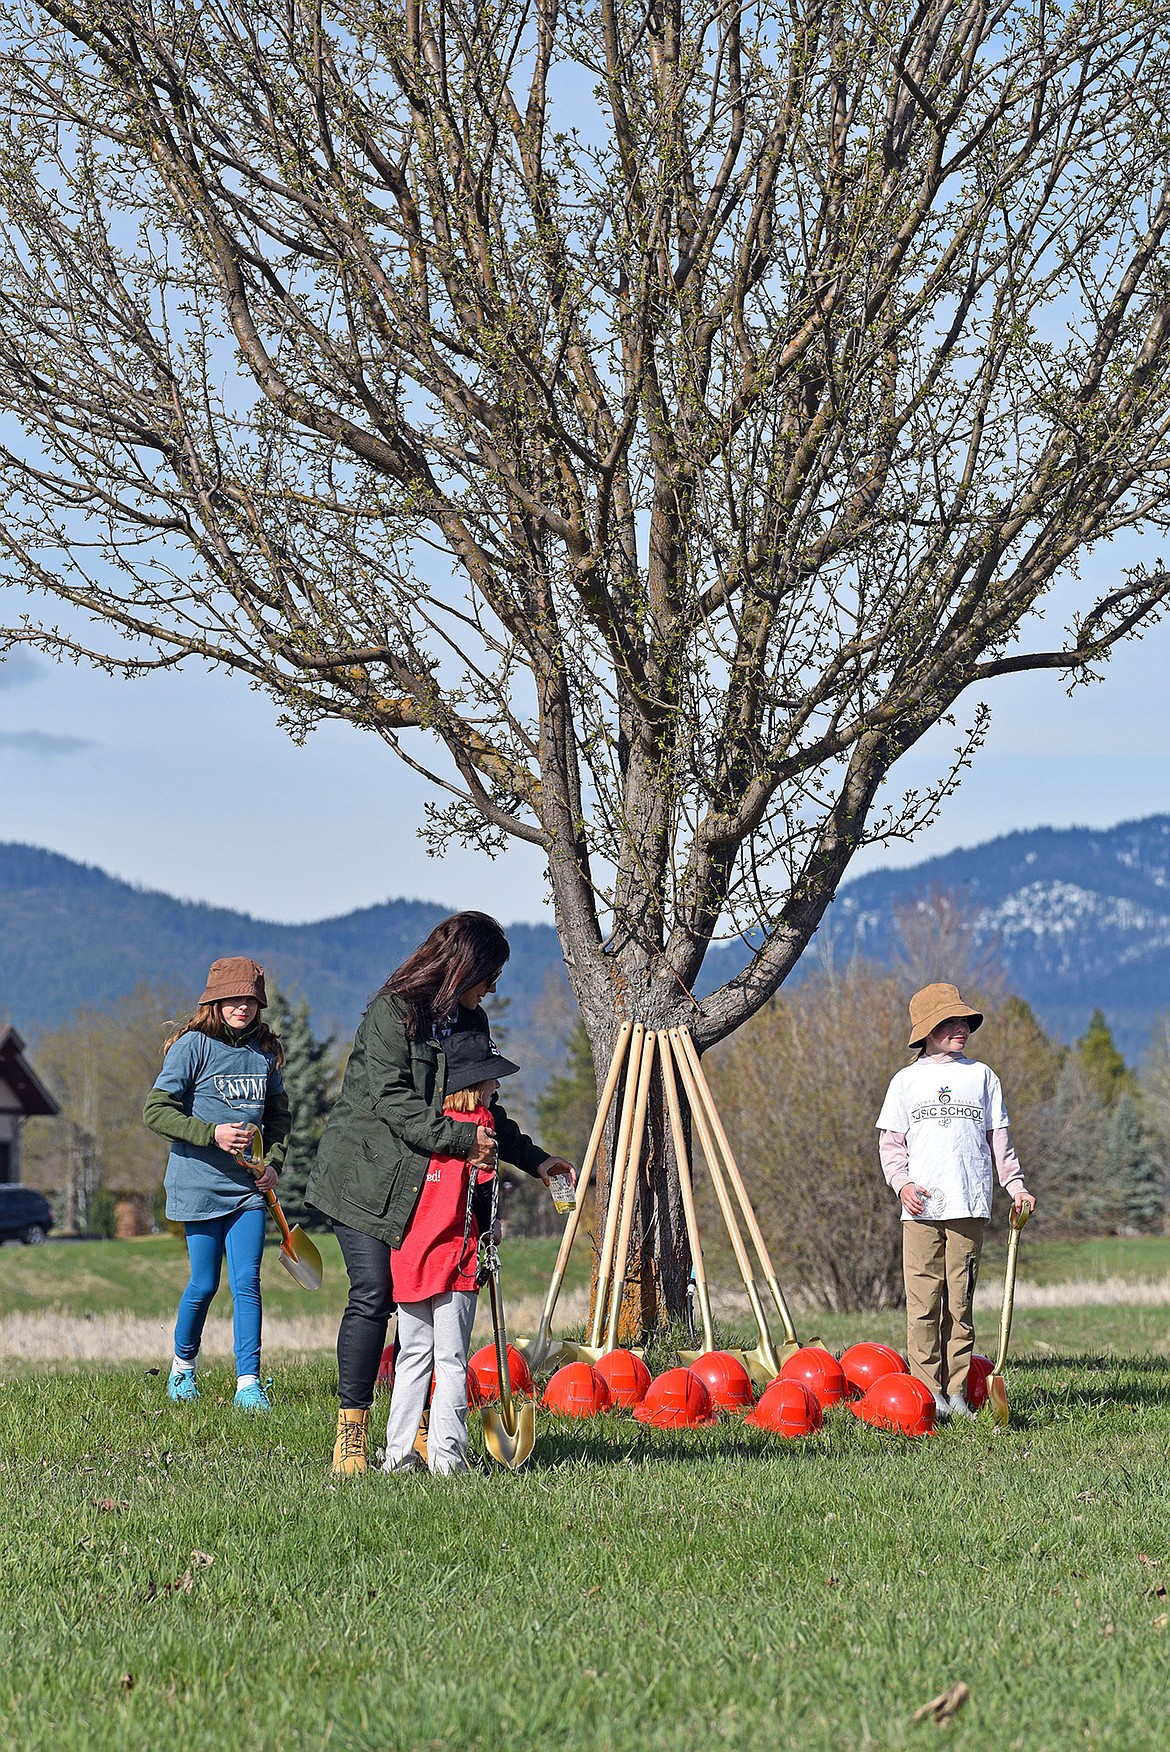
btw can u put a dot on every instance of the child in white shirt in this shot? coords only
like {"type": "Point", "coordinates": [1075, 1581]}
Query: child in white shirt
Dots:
{"type": "Point", "coordinates": [943, 1127]}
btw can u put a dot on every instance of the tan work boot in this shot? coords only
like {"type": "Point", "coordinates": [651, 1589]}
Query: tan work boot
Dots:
{"type": "Point", "coordinates": [420, 1441]}
{"type": "Point", "coordinates": [349, 1450]}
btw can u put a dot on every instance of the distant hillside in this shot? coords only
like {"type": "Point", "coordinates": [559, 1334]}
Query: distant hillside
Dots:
{"type": "Point", "coordinates": [71, 936]}
{"type": "Point", "coordinates": [1080, 918]}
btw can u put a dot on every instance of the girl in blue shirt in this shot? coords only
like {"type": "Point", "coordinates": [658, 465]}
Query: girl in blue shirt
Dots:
{"type": "Point", "coordinates": [221, 1075]}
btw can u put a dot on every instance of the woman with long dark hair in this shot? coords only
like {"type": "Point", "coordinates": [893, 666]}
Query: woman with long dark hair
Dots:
{"type": "Point", "coordinates": [386, 1126]}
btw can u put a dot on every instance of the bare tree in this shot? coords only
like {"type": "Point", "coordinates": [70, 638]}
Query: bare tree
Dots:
{"type": "Point", "coordinates": [800, 1088]}
{"type": "Point", "coordinates": [100, 1064]}
{"type": "Point", "coordinates": [648, 419]}
{"type": "Point", "coordinates": [940, 936]}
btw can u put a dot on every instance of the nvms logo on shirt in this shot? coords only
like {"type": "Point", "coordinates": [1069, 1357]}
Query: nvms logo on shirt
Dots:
{"type": "Point", "coordinates": [241, 1091]}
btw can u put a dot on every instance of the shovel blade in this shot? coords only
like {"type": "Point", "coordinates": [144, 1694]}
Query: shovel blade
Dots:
{"type": "Point", "coordinates": [998, 1400]}
{"type": "Point", "coordinates": [543, 1351]}
{"type": "Point", "coordinates": [510, 1447]}
{"type": "Point", "coordinates": [571, 1352]}
{"type": "Point", "coordinates": [302, 1261]}
{"type": "Point", "coordinates": [761, 1368]}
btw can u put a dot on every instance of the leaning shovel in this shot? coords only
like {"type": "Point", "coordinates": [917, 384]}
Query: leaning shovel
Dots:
{"type": "Point", "coordinates": [298, 1255]}
{"type": "Point", "coordinates": [996, 1386]}
{"type": "Point", "coordinates": [509, 1430]}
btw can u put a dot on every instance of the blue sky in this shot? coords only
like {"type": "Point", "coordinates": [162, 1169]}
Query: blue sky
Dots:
{"type": "Point", "coordinates": [184, 782]}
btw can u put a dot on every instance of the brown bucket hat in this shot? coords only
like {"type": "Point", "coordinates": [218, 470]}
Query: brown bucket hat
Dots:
{"type": "Point", "coordinates": [234, 977]}
{"type": "Point", "coordinates": [935, 1004]}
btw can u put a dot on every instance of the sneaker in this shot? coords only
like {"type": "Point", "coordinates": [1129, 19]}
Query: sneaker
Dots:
{"type": "Point", "coordinates": [958, 1406]}
{"type": "Point", "coordinates": [253, 1397]}
{"type": "Point", "coordinates": [942, 1407]}
{"type": "Point", "coordinates": [181, 1386]}
{"type": "Point", "coordinates": [400, 1468]}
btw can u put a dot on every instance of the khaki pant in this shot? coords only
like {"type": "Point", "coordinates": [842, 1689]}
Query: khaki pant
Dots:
{"type": "Point", "coordinates": [940, 1263]}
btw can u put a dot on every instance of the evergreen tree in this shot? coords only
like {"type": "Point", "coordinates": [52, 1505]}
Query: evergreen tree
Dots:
{"type": "Point", "coordinates": [1128, 1162]}
{"type": "Point", "coordinates": [309, 1077]}
{"type": "Point", "coordinates": [1104, 1067]}
{"type": "Point", "coordinates": [568, 1106]}
{"type": "Point", "coordinates": [1074, 1191]}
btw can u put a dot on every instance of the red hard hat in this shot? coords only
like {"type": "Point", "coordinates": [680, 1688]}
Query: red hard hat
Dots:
{"type": "Point", "coordinates": [821, 1373]}
{"type": "Point", "coordinates": [626, 1376]}
{"type": "Point", "coordinates": [978, 1376]}
{"type": "Point", "coordinates": [481, 1368]}
{"type": "Point", "coordinates": [863, 1364]}
{"type": "Point", "coordinates": [725, 1378]}
{"type": "Point", "coordinates": [677, 1400]}
{"type": "Point", "coordinates": [787, 1407]}
{"type": "Point", "coordinates": [899, 1402]}
{"type": "Point", "coordinates": [577, 1391]}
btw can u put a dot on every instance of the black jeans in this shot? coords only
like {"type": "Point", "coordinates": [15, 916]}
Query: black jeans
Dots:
{"type": "Point", "coordinates": [361, 1337]}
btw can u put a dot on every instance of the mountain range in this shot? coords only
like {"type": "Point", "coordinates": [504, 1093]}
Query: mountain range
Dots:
{"type": "Point", "coordinates": [1078, 918]}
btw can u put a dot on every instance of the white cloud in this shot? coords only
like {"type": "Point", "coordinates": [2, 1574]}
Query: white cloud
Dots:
{"type": "Point", "coordinates": [41, 743]}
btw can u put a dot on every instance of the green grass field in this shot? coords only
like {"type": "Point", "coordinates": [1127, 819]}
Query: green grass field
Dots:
{"type": "Point", "coordinates": [146, 1277]}
{"type": "Point", "coordinates": [631, 1589]}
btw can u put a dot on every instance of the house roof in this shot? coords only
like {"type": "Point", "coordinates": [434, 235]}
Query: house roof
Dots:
{"type": "Point", "coordinates": [16, 1071]}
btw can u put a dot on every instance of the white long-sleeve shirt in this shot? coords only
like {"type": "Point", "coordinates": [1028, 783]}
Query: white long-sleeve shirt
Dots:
{"type": "Point", "coordinates": [944, 1126]}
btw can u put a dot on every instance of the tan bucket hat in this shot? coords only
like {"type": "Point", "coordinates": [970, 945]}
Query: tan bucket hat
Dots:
{"type": "Point", "coordinates": [234, 977]}
{"type": "Point", "coordinates": [935, 1004]}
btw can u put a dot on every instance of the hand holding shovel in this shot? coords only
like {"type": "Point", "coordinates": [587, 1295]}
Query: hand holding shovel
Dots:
{"type": "Point", "coordinates": [298, 1255]}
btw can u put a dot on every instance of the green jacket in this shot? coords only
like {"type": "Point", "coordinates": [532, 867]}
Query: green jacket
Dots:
{"type": "Point", "coordinates": [388, 1123]}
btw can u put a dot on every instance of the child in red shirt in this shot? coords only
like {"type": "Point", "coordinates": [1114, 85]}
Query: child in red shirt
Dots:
{"type": "Point", "coordinates": [433, 1274]}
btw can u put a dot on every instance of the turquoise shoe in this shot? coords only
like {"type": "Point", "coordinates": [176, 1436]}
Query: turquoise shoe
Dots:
{"type": "Point", "coordinates": [181, 1388]}
{"type": "Point", "coordinates": [253, 1397]}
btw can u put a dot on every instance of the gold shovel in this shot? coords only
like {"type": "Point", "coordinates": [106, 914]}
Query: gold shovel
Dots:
{"type": "Point", "coordinates": [686, 1046]}
{"type": "Point", "coordinates": [996, 1385]}
{"type": "Point", "coordinates": [687, 1191]}
{"type": "Point", "coordinates": [762, 1363]}
{"type": "Point", "coordinates": [595, 1346]}
{"type": "Point", "coordinates": [298, 1255]}
{"type": "Point", "coordinates": [509, 1430]}
{"type": "Point", "coordinates": [543, 1348]}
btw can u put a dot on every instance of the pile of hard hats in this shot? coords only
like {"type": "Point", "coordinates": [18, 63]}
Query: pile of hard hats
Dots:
{"type": "Point", "coordinates": [872, 1379]}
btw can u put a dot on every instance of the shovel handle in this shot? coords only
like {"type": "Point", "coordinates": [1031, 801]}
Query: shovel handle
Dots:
{"type": "Point", "coordinates": [630, 1191]}
{"type": "Point", "coordinates": [687, 1190]}
{"type": "Point", "coordinates": [280, 1220]}
{"type": "Point", "coordinates": [500, 1332]}
{"type": "Point", "coordinates": [592, 1150]}
{"type": "Point", "coordinates": [617, 1182]}
{"type": "Point", "coordinates": [711, 1155]}
{"type": "Point", "coordinates": [253, 1161]}
{"type": "Point", "coordinates": [1016, 1221]}
{"type": "Point", "coordinates": [719, 1132]}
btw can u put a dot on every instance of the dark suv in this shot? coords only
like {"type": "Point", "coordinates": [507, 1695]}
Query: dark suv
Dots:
{"type": "Point", "coordinates": [25, 1215]}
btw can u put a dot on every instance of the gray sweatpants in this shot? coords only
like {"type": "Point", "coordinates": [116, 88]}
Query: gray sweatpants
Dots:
{"type": "Point", "coordinates": [432, 1335]}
